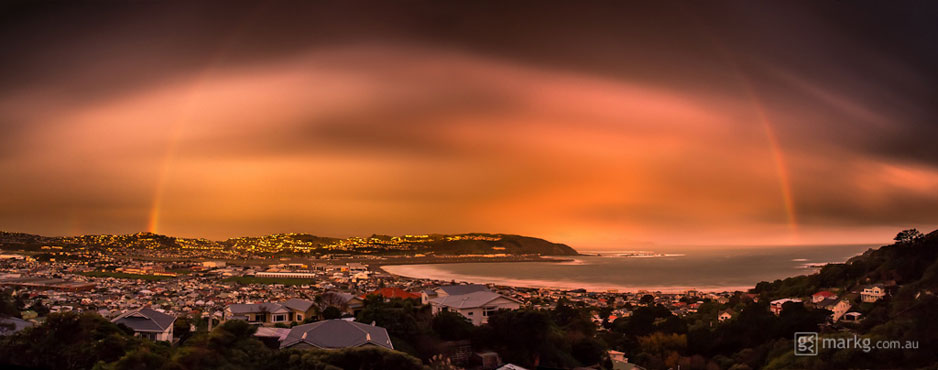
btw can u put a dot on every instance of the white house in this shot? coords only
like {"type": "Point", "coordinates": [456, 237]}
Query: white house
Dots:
{"type": "Point", "coordinates": [447, 290]}
{"type": "Point", "coordinates": [838, 307]}
{"type": "Point", "coordinates": [872, 293]}
{"type": "Point", "coordinates": [822, 295]}
{"type": "Point", "coordinates": [475, 306]}
{"type": "Point", "coordinates": [213, 264]}
{"type": "Point", "coordinates": [148, 323]}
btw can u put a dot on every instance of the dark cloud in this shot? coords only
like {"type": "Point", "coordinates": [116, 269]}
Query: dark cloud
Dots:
{"type": "Point", "coordinates": [837, 82]}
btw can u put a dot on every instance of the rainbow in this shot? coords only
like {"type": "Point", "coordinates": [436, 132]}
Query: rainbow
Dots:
{"type": "Point", "coordinates": [154, 219]}
{"type": "Point", "coordinates": [781, 169]}
{"type": "Point", "coordinates": [153, 223]}
{"type": "Point", "coordinates": [778, 158]}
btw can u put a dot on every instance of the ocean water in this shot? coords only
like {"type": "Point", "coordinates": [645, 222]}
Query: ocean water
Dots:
{"type": "Point", "coordinates": [673, 271]}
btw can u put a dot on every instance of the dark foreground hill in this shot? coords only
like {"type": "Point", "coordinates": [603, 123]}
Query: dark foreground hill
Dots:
{"type": "Point", "coordinates": [293, 243]}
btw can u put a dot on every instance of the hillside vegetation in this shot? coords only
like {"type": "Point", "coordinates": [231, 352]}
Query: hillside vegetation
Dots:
{"type": "Point", "coordinates": [294, 243]}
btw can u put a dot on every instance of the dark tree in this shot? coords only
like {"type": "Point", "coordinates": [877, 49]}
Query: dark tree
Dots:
{"type": "Point", "coordinates": [908, 236]}
{"type": "Point", "coordinates": [69, 341]}
{"type": "Point", "coordinates": [331, 313]}
{"type": "Point", "coordinates": [452, 326]}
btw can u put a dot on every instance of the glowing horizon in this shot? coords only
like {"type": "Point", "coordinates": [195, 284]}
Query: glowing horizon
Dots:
{"type": "Point", "coordinates": [692, 130]}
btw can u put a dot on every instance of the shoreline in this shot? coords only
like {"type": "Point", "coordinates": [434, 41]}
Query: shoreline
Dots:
{"type": "Point", "coordinates": [554, 285]}
{"type": "Point", "coordinates": [440, 260]}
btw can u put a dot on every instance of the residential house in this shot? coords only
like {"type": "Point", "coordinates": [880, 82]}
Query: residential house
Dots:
{"type": "Point", "coordinates": [822, 295]}
{"type": "Point", "coordinates": [354, 267]}
{"type": "Point", "coordinates": [872, 293]}
{"type": "Point", "coordinates": [776, 305]}
{"type": "Point", "coordinates": [511, 367]}
{"type": "Point", "coordinates": [148, 323]}
{"type": "Point", "coordinates": [11, 325]}
{"type": "Point", "coordinates": [726, 314]}
{"type": "Point", "coordinates": [336, 334]}
{"type": "Point", "coordinates": [270, 313]}
{"type": "Point", "coordinates": [838, 307]}
{"type": "Point", "coordinates": [852, 317]}
{"type": "Point", "coordinates": [270, 336]}
{"type": "Point", "coordinates": [345, 302]}
{"type": "Point", "coordinates": [300, 308]}
{"type": "Point", "coordinates": [447, 290]}
{"type": "Point", "coordinates": [476, 306]}
{"type": "Point", "coordinates": [389, 293]}
{"type": "Point", "coordinates": [620, 362]}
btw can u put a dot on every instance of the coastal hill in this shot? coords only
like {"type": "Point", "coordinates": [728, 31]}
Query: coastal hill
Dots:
{"type": "Point", "coordinates": [907, 270]}
{"type": "Point", "coordinates": [294, 243]}
{"type": "Point", "coordinates": [910, 264]}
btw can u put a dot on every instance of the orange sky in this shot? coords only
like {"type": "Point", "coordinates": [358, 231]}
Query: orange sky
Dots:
{"type": "Point", "coordinates": [405, 137]}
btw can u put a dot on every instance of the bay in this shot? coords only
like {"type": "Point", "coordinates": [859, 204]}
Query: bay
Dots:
{"type": "Point", "coordinates": [676, 270]}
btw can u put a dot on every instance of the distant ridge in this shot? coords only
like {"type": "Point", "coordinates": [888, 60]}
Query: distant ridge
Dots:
{"type": "Point", "coordinates": [298, 243]}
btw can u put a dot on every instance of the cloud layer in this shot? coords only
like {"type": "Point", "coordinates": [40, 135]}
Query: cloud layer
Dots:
{"type": "Point", "coordinates": [615, 136]}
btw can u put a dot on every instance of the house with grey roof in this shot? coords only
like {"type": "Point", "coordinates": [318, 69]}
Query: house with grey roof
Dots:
{"type": "Point", "coordinates": [148, 323]}
{"type": "Point", "coordinates": [11, 325]}
{"type": "Point", "coordinates": [336, 334]}
{"type": "Point", "coordinates": [300, 308]}
{"type": "Point", "coordinates": [447, 290]}
{"type": "Point", "coordinates": [270, 313]}
{"type": "Point", "coordinates": [476, 306]}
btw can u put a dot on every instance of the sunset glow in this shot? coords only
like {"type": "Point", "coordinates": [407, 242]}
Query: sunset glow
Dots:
{"type": "Point", "coordinates": [698, 142]}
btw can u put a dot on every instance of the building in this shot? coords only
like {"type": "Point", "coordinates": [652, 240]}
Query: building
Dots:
{"type": "Point", "coordinates": [12, 325]}
{"type": "Point", "coordinates": [822, 295]}
{"type": "Point", "coordinates": [446, 290]}
{"type": "Point", "coordinates": [299, 308]}
{"type": "Point", "coordinates": [336, 334]}
{"type": "Point", "coordinates": [271, 336]}
{"type": "Point", "coordinates": [776, 305]}
{"type": "Point", "coordinates": [852, 317]}
{"type": "Point", "coordinates": [354, 267]}
{"type": "Point", "coordinates": [726, 315]}
{"type": "Point", "coordinates": [837, 307]}
{"type": "Point", "coordinates": [287, 274]}
{"type": "Point", "coordinates": [345, 302]}
{"type": "Point", "coordinates": [389, 293]}
{"type": "Point", "coordinates": [620, 362]}
{"type": "Point", "coordinates": [511, 367]}
{"type": "Point", "coordinates": [476, 306]}
{"type": "Point", "coordinates": [148, 323]}
{"type": "Point", "coordinates": [270, 313]}
{"type": "Point", "coordinates": [872, 293]}
{"type": "Point", "coordinates": [48, 284]}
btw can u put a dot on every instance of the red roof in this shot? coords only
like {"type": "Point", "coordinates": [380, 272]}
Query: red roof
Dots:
{"type": "Point", "coordinates": [823, 293]}
{"type": "Point", "coordinates": [395, 293]}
